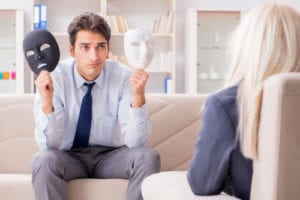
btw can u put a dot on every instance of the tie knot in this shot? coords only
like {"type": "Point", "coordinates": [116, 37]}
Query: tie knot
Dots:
{"type": "Point", "coordinates": [89, 86]}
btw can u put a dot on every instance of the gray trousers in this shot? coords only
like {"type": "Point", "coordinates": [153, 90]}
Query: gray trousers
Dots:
{"type": "Point", "coordinates": [51, 169]}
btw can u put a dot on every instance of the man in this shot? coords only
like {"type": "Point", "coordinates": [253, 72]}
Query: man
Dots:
{"type": "Point", "coordinates": [91, 119]}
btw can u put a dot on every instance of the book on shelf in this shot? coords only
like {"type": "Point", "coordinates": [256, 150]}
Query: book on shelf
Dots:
{"type": "Point", "coordinates": [40, 16]}
{"type": "Point", "coordinates": [36, 16]}
{"type": "Point", "coordinates": [117, 23]}
{"type": "Point", "coordinates": [164, 24]}
{"type": "Point", "coordinates": [120, 58]}
{"type": "Point", "coordinates": [168, 85]}
{"type": "Point", "coordinates": [7, 75]}
{"type": "Point", "coordinates": [170, 22]}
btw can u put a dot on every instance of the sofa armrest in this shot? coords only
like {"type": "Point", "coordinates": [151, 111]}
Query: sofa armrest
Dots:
{"type": "Point", "coordinates": [276, 173]}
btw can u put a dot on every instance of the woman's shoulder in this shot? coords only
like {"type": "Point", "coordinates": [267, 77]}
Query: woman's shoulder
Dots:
{"type": "Point", "coordinates": [225, 97]}
{"type": "Point", "coordinates": [226, 93]}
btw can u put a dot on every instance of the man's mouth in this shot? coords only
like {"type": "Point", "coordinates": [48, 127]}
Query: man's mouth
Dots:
{"type": "Point", "coordinates": [93, 64]}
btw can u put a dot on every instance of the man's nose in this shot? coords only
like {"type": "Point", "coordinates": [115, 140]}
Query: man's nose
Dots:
{"type": "Point", "coordinates": [93, 54]}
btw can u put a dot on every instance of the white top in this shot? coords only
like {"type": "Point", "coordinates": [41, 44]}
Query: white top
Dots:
{"type": "Point", "coordinates": [114, 121]}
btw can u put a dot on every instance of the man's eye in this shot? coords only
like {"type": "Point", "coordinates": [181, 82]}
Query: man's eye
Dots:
{"type": "Point", "coordinates": [84, 48]}
{"type": "Point", "coordinates": [102, 46]}
{"type": "Point", "coordinates": [44, 46]}
{"type": "Point", "coordinates": [29, 53]}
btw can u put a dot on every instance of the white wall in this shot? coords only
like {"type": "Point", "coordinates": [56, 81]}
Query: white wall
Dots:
{"type": "Point", "coordinates": [183, 5]}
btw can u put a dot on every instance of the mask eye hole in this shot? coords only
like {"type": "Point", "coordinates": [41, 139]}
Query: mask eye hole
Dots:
{"type": "Point", "coordinates": [44, 46]}
{"type": "Point", "coordinates": [29, 53]}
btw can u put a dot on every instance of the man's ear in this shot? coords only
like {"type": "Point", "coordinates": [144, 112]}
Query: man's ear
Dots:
{"type": "Point", "coordinates": [71, 50]}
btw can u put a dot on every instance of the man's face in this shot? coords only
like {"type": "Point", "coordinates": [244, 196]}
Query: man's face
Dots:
{"type": "Point", "coordinates": [41, 51]}
{"type": "Point", "coordinates": [90, 52]}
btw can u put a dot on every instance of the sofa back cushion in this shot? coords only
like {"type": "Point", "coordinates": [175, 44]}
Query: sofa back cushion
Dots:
{"type": "Point", "coordinates": [175, 127]}
{"type": "Point", "coordinates": [17, 144]}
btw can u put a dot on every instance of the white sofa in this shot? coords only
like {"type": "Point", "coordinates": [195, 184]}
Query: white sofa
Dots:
{"type": "Point", "coordinates": [176, 122]}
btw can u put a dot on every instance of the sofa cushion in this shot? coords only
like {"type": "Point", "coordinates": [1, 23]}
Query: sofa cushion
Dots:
{"type": "Point", "coordinates": [18, 186]}
{"type": "Point", "coordinates": [175, 119]}
{"type": "Point", "coordinates": [17, 144]}
{"type": "Point", "coordinates": [173, 185]}
{"type": "Point", "coordinates": [176, 123]}
{"type": "Point", "coordinates": [80, 189]}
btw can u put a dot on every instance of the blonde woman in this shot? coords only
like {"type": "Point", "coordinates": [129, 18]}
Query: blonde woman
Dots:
{"type": "Point", "coordinates": [267, 42]}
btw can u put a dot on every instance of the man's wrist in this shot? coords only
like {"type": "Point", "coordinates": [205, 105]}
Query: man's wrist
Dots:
{"type": "Point", "coordinates": [138, 101]}
{"type": "Point", "coordinates": [47, 108]}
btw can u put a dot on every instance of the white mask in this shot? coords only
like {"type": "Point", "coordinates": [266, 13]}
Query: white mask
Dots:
{"type": "Point", "coordinates": [138, 47]}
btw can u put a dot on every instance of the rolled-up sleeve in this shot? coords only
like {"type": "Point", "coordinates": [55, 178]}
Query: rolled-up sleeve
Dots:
{"type": "Point", "coordinates": [135, 122]}
{"type": "Point", "coordinates": [49, 127]}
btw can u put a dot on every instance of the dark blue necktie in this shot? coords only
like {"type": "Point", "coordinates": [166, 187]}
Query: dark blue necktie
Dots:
{"type": "Point", "coordinates": [85, 119]}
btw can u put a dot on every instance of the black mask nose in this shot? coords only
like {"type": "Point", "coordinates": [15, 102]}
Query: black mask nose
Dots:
{"type": "Point", "coordinates": [38, 55]}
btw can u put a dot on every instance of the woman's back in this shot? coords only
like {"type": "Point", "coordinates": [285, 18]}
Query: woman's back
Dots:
{"type": "Point", "coordinates": [217, 163]}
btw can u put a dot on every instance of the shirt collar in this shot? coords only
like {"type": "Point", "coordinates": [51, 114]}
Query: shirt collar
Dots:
{"type": "Point", "coordinates": [79, 80]}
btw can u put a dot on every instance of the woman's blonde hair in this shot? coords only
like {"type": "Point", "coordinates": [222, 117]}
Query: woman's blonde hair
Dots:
{"type": "Point", "coordinates": [266, 42]}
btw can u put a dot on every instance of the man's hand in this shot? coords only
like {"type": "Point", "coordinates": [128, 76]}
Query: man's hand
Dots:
{"type": "Point", "coordinates": [44, 85]}
{"type": "Point", "coordinates": [138, 82]}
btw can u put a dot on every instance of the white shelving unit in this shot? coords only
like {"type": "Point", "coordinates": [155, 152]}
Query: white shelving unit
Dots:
{"type": "Point", "coordinates": [139, 14]}
{"type": "Point", "coordinates": [11, 51]}
{"type": "Point", "coordinates": [208, 32]}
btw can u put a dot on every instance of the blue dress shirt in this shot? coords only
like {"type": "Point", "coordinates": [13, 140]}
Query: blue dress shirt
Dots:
{"type": "Point", "coordinates": [114, 121]}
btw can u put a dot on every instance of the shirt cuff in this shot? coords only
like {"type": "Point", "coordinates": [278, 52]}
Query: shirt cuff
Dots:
{"type": "Point", "coordinates": [46, 119]}
{"type": "Point", "coordinates": [139, 113]}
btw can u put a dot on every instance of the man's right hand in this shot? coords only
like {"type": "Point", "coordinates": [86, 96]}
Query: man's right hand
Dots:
{"type": "Point", "coordinates": [44, 85]}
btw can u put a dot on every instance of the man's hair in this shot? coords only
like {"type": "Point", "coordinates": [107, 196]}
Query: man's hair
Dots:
{"type": "Point", "coordinates": [90, 22]}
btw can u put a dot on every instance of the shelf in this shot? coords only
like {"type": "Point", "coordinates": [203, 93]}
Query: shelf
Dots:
{"type": "Point", "coordinates": [154, 35]}
{"type": "Point", "coordinates": [212, 48]}
{"type": "Point", "coordinates": [158, 72]}
{"type": "Point", "coordinates": [61, 34]}
{"type": "Point", "coordinates": [164, 50]}
{"type": "Point", "coordinates": [211, 79]}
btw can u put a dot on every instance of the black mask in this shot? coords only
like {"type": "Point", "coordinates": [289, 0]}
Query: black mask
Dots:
{"type": "Point", "coordinates": [41, 51]}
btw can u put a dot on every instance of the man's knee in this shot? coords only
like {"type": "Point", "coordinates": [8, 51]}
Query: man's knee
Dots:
{"type": "Point", "coordinates": [46, 160]}
{"type": "Point", "coordinates": [150, 158]}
